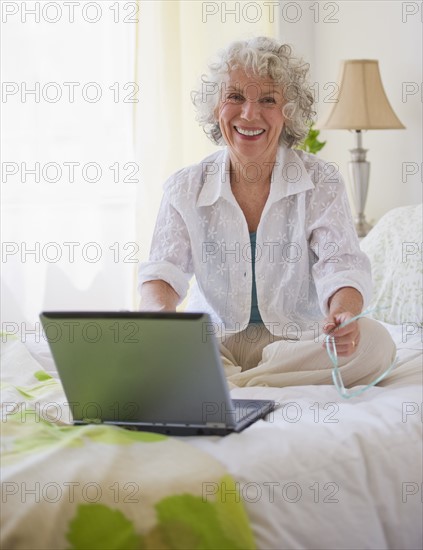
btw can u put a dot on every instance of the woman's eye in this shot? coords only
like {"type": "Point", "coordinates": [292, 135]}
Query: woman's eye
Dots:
{"type": "Point", "coordinates": [235, 97]}
{"type": "Point", "coordinates": [268, 100]}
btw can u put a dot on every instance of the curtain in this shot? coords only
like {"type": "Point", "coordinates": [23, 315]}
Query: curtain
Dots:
{"type": "Point", "coordinates": [175, 41]}
{"type": "Point", "coordinates": [69, 175]}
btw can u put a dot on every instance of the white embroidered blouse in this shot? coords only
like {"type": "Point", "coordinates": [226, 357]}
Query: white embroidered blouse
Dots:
{"type": "Point", "coordinates": [306, 244]}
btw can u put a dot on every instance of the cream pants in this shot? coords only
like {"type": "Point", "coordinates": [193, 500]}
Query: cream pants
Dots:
{"type": "Point", "coordinates": [255, 357]}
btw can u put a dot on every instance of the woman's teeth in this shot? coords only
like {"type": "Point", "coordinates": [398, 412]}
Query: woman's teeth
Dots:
{"type": "Point", "coordinates": [248, 132]}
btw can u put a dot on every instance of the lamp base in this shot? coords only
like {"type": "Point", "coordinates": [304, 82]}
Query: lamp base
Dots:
{"type": "Point", "coordinates": [362, 226]}
{"type": "Point", "coordinates": [359, 171]}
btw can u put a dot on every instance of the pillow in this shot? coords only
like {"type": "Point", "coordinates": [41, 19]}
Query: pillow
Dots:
{"type": "Point", "coordinates": [394, 247]}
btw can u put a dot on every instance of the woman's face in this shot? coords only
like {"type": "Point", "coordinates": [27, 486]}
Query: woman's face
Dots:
{"type": "Point", "coordinates": [250, 115]}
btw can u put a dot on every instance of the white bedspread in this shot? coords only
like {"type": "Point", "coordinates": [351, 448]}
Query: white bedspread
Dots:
{"type": "Point", "coordinates": [326, 473]}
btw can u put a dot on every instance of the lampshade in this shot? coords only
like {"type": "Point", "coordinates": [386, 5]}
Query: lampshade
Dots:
{"type": "Point", "coordinates": [361, 100]}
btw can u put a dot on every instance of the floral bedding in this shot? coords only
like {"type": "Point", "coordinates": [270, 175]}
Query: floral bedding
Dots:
{"type": "Point", "coordinates": [94, 486]}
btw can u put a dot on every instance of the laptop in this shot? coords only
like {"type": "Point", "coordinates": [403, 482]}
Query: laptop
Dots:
{"type": "Point", "coordinates": [158, 372]}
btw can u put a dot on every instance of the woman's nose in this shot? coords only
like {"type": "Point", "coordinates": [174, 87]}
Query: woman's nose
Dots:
{"type": "Point", "coordinates": [250, 109]}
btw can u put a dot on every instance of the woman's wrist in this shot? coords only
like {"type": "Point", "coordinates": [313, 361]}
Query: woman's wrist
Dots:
{"type": "Point", "coordinates": [346, 299]}
{"type": "Point", "coordinates": [158, 296]}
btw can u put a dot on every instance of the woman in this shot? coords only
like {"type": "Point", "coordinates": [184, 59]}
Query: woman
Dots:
{"type": "Point", "coordinates": [267, 232]}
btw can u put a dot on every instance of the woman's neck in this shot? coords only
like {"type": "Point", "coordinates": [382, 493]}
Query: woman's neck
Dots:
{"type": "Point", "coordinates": [250, 184]}
{"type": "Point", "coordinates": [250, 173]}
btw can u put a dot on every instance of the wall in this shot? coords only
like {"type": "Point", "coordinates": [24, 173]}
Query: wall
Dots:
{"type": "Point", "coordinates": [389, 31]}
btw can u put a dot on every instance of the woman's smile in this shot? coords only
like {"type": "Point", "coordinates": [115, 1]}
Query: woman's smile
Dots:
{"type": "Point", "coordinates": [250, 133]}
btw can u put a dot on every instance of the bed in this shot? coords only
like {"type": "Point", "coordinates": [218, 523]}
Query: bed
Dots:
{"type": "Point", "coordinates": [320, 472]}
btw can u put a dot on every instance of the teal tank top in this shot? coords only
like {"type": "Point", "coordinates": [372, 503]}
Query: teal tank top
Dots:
{"type": "Point", "coordinates": [255, 316]}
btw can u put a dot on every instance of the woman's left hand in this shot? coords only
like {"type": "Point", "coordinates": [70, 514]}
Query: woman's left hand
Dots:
{"type": "Point", "coordinates": [345, 304]}
{"type": "Point", "coordinates": [346, 338]}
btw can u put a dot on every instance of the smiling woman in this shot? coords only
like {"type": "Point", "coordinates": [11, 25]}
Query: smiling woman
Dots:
{"type": "Point", "coordinates": [250, 119]}
{"type": "Point", "coordinates": [254, 221]}
{"type": "Point", "coordinates": [281, 75]}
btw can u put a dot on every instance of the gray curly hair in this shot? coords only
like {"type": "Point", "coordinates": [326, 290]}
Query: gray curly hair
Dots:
{"type": "Point", "coordinates": [263, 57]}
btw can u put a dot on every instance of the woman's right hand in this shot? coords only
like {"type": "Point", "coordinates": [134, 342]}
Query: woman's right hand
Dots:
{"type": "Point", "coordinates": [158, 296]}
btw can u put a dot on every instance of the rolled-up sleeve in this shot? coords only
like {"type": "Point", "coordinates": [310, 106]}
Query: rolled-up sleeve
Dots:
{"type": "Point", "coordinates": [339, 262]}
{"type": "Point", "coordinates": [170, 258]}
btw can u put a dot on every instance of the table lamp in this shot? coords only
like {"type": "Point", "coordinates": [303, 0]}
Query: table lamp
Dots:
{"type": "Point", "coordinates": [361, 105]}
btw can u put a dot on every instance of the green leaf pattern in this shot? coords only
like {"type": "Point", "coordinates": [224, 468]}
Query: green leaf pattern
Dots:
{"type": "Point", "coordinates": [149, 487]}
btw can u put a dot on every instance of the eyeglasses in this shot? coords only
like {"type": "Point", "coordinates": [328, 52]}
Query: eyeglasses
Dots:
{"type": "Point", "coordinates": [336, 373]}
